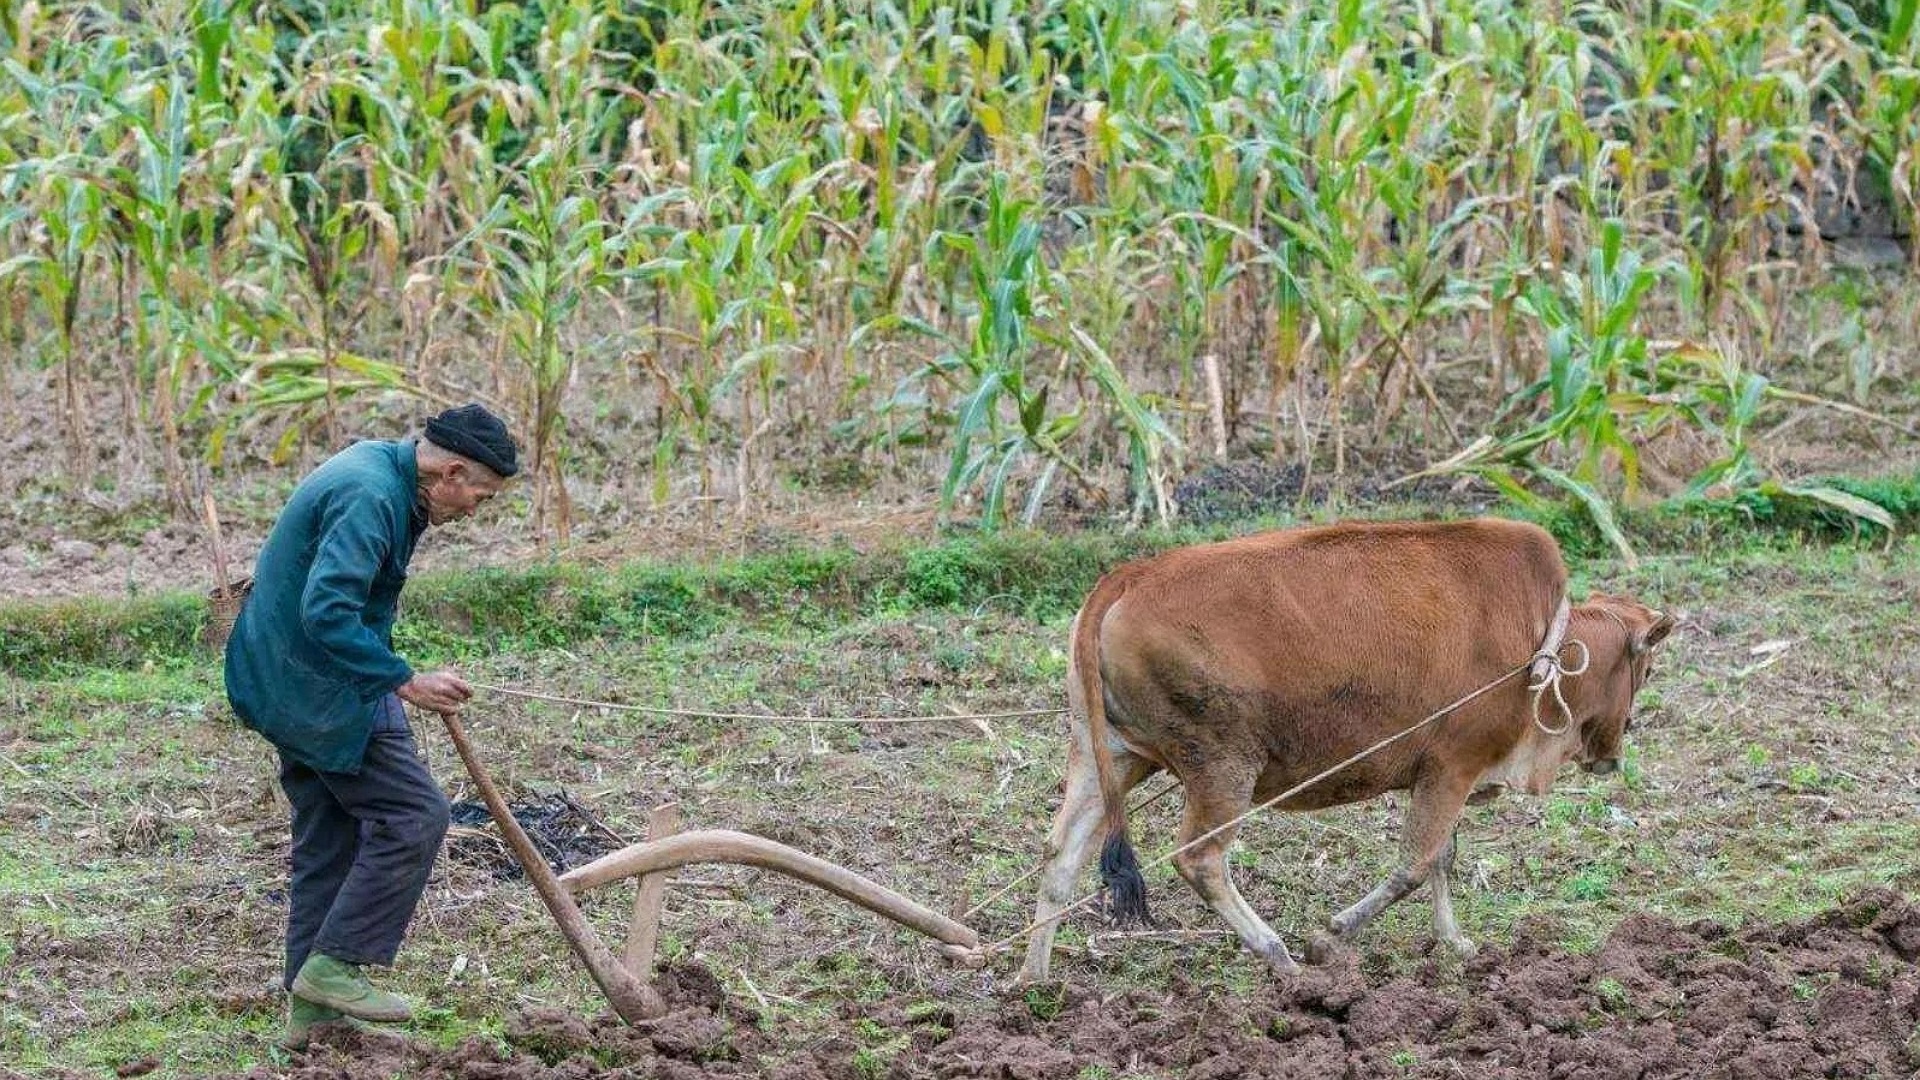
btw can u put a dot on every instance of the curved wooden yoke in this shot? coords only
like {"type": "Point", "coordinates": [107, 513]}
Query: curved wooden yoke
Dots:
{"type": "Point", "coordinates": [666, 853]}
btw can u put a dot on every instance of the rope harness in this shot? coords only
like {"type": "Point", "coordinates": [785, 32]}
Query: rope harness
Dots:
{"type": "Point", "coordinates": [1537, 690]}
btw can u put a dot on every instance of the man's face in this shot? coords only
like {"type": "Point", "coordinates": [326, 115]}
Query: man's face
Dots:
{"type": "Point", "coordinates": [459, 491]}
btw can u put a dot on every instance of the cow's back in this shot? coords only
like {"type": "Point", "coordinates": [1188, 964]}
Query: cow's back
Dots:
{"type": "Point", "coordinates": [1287, 651]}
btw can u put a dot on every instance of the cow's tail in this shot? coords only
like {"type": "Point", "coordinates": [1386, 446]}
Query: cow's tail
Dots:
{"type": "Point", "coordinates": [1119, 866]}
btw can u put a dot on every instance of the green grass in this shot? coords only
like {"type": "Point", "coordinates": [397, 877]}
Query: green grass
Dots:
{"type": "Point", "coordinates": [136, 807]}
{"type": "Point", "coordinates": [462, 615]}
{"type": "Point", "coordinates": [71, 634]}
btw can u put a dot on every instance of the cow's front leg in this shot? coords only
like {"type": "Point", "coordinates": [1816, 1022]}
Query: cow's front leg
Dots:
{"type": "Point", "coordinates": [1431, 817]}
{"type": "Point", "coordinates": [1445, 929]}
{"type": "Point", "coordinates": [1210, 802]}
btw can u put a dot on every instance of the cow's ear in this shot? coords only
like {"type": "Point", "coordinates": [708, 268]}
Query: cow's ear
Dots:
{"type": "Point", "coordinates": [1644, 641]}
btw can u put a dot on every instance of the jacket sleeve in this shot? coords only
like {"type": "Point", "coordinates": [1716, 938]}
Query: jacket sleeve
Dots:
{"type": "Point", "coordinates": [355, 540]}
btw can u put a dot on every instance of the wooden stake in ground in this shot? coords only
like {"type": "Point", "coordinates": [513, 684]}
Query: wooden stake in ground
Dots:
{"type": "Point", "coordinates": [220, 579]}
{"type": "Point", "coordinates": [1216, 404]}
{"type": "Point", "coordinates": [631, 998]}
{"type": "Point", "coordinates": [228, 595]}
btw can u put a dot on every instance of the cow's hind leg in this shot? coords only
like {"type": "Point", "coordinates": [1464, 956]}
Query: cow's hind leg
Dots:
{"type": "Point", "coordinates": [1435, 810]}
{"type": "Point", "coordinates": [1445, 929]}
{"type": "Point", "coordinates": [1069, 846]}
{"type": "Point", "coordinates": [1204, 866]}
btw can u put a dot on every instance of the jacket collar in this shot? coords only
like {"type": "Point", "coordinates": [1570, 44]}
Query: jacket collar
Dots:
{"type": "Point", "coordinates": [408, 459]}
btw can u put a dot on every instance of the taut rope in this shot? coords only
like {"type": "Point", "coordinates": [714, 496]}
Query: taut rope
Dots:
{"type": "Point", "coordinates": [662, 710]}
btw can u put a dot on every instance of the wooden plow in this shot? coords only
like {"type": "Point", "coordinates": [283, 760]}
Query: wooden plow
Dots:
{"type": "Point", "coordinates": [626, 979]}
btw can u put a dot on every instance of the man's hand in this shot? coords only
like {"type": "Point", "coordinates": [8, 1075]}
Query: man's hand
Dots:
{"type": "Point", "coordinates": [437, 691]}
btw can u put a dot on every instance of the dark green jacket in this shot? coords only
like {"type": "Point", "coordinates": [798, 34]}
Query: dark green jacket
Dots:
{"type": "Point", "coordinates": [312, 652]}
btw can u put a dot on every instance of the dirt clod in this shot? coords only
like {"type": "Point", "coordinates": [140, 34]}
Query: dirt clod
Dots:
{"type": "Point", "coordinates": [1834, 995]}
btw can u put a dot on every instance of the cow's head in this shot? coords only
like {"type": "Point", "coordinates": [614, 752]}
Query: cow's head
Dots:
{"type": "Point", "coordinates": [1620, 635]}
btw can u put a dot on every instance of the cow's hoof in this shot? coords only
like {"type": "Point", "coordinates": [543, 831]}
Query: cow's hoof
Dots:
{"type": "Point", "coordinates": [1281, 963]}
{"type": "Point", "coordinates": [1463, 948]}
{"type": "Point", "coordinates": [1323, 948]}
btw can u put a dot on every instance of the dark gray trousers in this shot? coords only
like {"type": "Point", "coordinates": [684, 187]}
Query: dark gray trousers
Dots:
{"type": "Point", "coordinates": [363, 845]}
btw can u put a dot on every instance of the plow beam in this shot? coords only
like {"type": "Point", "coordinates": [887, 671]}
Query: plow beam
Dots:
{"type": "Point", "coordinates": [745, 849]}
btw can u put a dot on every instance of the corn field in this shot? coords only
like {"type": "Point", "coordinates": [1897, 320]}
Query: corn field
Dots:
{"type": "Point", "coordinates": [1019, 252]}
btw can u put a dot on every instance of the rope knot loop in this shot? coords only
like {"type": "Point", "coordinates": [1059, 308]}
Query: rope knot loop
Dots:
{"type": "Point", "coordinates": [1548, 670]}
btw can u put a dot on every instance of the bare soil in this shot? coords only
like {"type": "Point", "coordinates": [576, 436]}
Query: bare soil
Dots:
{"type": "Point", "coordinates": [1837, 995]}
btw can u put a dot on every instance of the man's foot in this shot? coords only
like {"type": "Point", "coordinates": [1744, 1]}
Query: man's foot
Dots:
{"type": "Point", "coordinates": [336, 984]}
{"type": "Point", "coordinates": [303, 1016]}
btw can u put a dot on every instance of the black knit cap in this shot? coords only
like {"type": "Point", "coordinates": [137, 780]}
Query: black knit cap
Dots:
{"type": "Point", "coordinates": [473, 432]}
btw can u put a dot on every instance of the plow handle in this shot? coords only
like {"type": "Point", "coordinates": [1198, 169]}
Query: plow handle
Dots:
{"type": "Point", "coordinates": [631, 998]}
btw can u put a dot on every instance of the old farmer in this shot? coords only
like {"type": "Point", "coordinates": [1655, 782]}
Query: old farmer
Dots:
{"type": "Point", "coordinates": [311, 666]}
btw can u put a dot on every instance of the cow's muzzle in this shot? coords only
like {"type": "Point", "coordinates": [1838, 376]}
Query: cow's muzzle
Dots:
{"type": "Point", "coordinates": [1602, 766]}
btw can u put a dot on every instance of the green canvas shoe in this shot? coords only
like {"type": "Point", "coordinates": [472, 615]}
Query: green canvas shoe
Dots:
{"type": "Point", "coordinates": [322, 980]}
{"type": "Point", "coordinates": [303, 1016]}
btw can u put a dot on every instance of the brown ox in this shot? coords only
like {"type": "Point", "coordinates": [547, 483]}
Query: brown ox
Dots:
{"type": "Point", "coordinates": [1246, 667]}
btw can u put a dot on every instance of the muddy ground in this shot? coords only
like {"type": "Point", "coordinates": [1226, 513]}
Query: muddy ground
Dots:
{"type": "Point", "coordinates": [1709, 912]}
{"type": "Point", "coordinates": [1835, 996]}
{"type": "Point", "coordinates": [1705, 914]}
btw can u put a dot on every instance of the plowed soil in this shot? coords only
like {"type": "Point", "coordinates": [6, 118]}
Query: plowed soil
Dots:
{"type": "Point", "coordinates": [1837, 995]}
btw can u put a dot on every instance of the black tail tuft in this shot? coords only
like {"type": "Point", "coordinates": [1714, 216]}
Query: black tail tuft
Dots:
{"type": "Point", "coordinates": [1126, 889]}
